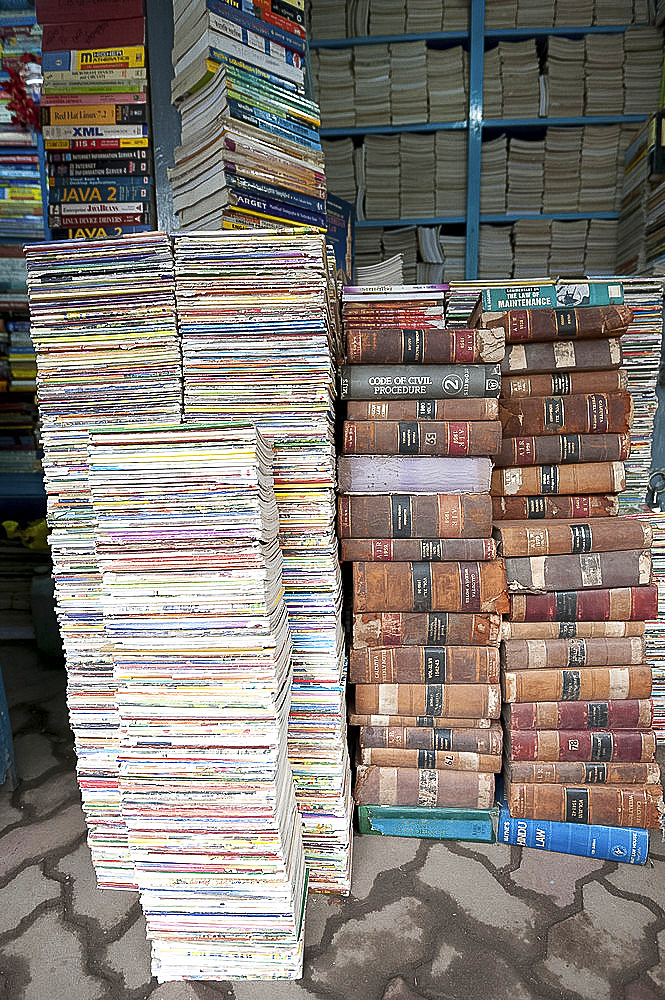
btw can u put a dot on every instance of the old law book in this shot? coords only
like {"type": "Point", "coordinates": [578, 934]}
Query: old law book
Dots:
{"type": "Point", "coordinates": [558, 537]}
{"type": "Point", "coordinates": [572, 773]}
{"type": "Point", "coordinates": [591, 413]}
{"type": "Point", "coordinates": [417, 721]}
{"type": "Point", "coordinates": [412, 474]}
{"type": "Point", "coordinates": [401, 515]}
{"type": "Point", "coordinates": [566, 507]}
{"type": "Point", "coordinates": [620, 604]}
{"type": "Point", "coordinates": [461, 701]}
{"type": "Point", "coordinates": [607, 805]}
{"type": "Point", "coordinates": [439, 760]}
{"type": "Point", "coordinates": [423, 586]}
{"type": "Point", "coordinates": [570, 630]}
{"type": "Point", "coordinates": [629, 714]}
{"type": "Point", "coordinates": [444, 823]}
{"type": "Point", "coordinates": [392, 628]}
{"type": "Point", "coordinates": [426, 381]}
{"type": "Point", "coordinates": [525, 654]}
{"type": "Point", "coordinates": [487, 741]}
{"type": "Point", "coordinates": [422, 437]}
{"type": "Point", "coordinates": [561, 449]}
{"type": "Point", "coordinates": [587, 684]}
{"type": "Point", "coordinates": [563, 383]}
{"type": "Point", "coordinates": [423, 409]}
{"type": "Point", "coordinates": [407, 549]}
{"type": "Point", "coordinates": [390, 345]}
{"type": "Point", "coordinates": [589, 477]}
{"type": "Point", "coordinates": [538, 325]}
{"type": "Point", "coordinates": [562, 356]}
{"type": "Point", "coordinates": [411, 786]}
{"type": "Point", "coordinates": [579, 745]}
{"type": "Point", "coordinates": [424, 665]}
{"type": "Point", "coordinates": [589, 569]}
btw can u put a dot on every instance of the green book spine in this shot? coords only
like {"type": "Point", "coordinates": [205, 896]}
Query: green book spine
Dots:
{"type": "Point", "coordinates": [437, 824]}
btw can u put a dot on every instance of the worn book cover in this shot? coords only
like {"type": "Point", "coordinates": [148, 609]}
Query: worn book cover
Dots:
{"type": "Point", "coordinates": [422, 437]}
{"type": "Point", "coordinates": [416, 549]}
{"type": "Point", "coordinates": [394, 346]}
{"type": "Point", "coordinates": [584, 684]}
{"type": "Point", "coordinates": [563, 449]}
{"type": "Point", "coordinates": [525, 654]}
{"type": "Point", "coordinates": [612, 715]}
{"type": "Point", "coordinates": [459, 701]}
{"type": "Point", "coordinates": [591, 413]}
{"type": "Point", "coordinates": [618, 604]}
{"type": "Point", "coordinates": [412, 474]}
{"type": "Point", "coordinates": [487, 741]}
{"type": "Point", "coordinates": [571, 773]}
{"type": "Point", "coordinates": [558, 537]}
{"type": "Point", "coordinates": [439, 760]}
{"type": "Point", "coordinates": [533, 574]}
{"type": "Point", "coordinates": [410, 786]}
{"type": "Point", "coordinates": [583, 478]}
{"type": "Point", "coordinates": [537, 507]}
{"type": "Point", "coordinates": [394, 628]}
{"type": "Point", "coordinates": [422, 409]}
{"type": "Point", "coordinates": [403, 515]}
{"type": "Point", "coordinates": [563, 383]}
{"type": "Point", "coordinates": [609, 805]}
{"type": "Point", "coordinates": [562, 356]}
{"type": "Point", "coordinates": [424, 665]}
{"type": "Point", "coordinates": [565, 323]}
{"type": "Point", "coordinates": [596, 746]}
{"type": "Point", "coordinates": [421, 586]}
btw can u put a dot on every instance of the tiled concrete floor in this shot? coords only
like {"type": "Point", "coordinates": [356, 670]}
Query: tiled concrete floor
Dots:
{"type": "Point", "coordinates": [424, 920]}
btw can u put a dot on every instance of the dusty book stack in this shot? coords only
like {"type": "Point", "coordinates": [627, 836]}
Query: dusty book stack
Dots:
{"type": "Point", "coordinates": [578, 743]}
{"type": "Point", "coordinates": [415, 521]}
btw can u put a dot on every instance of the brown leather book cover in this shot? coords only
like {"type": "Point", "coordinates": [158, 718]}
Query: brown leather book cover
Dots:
{"type": "Point", "coordinates": [534, 574]}
{"type": "Point", "coordinates": [411, 786]}
{"type": "Point", "coordinates": [527, 654]}
{"type": "Point", "coordinates": [422, 409]}
{"type": "Point", "coordinates": [424, 665]}
{"type": "Point", "coordinates": [621, 604]}
{"type": "Point", "coordinates": [596, 746]}
{"type": "Point", "coordinates": [562, 356]}
{"type": "Point", "coordinates": [423, 313]}
{"type": "Point", "coordinates": [605, 805]}
{"type": "Point", "coordinates": [460, 701]}
{"type": "Point", "coordinates": [587, 684]}
{"type": "Point", "coordinates": [567, 323]}
{"type": "Point", "coordinates": [563, 449]}
{"type": "Point", "coordinates": [629, 714]}
{"type": "Point", "coordinates": [589, 477]}
{"type": "Point", "coordinates": [558, 537]}
{"type": "Point", "coordinates": [563, 384]}
{"type": "Point", "coordinates": [569, 630]}
{"type": "Point", "coordinates": [363, 719]}
{"type": "Point", "coordinates": [392, 628]}
{"type": "Point", "coordinates": [486, 741]}
{"type": "Point", "coordinates": [592, 413]}
{"type": "Point", "coordinates": [390, 345]}
{"type": "Point", "coordinates": [570, 773]}
{"type": "Point", "coordinates": [405, 515]}
{"type": "Point", "coordinates": [422, 437]}
{"type": "Point", "coordinates": [439, 760]}
{"type": "Point", "coordinates": [417, 549]}
{"type": "Point", "coordinates": [426, 586]}
{"type": "Point", "coordinates": [566, 507]}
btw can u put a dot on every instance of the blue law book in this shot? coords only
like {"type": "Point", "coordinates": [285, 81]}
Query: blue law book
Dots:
{"type": "Point", "coordinates": [438, 823]}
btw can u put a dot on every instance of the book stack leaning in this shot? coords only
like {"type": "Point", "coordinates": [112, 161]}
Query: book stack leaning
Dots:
{"type": "Point", "coordinates": [578, 742]}
{"type": "Point", "coordinates": [415, 521]}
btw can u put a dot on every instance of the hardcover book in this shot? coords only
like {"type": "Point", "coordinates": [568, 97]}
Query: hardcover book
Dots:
{"type": "Point", "coordinates": [582, 745]}
{"type": "Point", "coordinates": [583, 478]}
{"type": "Point", "coordinates": [422, 437]}
{"type": "Point", "coordinates": [591, 715]}
{"type": "Point", "coordinates": [413, 474]}
{"type": "Point", "coordinates": [606, 805]}
{"type": "Point", "coordinates": [525, 654]}
{"type": "Point", "coordinates": [401, 515]}
{"type": "Point", "coordinates": [571, 773]}
{"type": "Point", "coordinates": [619, 604]}
{"type": "Point", "coordinates": [549, 295]}
{"type": "Point", "coordinates": [533, 574]}
{"type": "Point", "coordinates": [424, 665]}
{"type": "Point", "coordinates": [449, 760]}
{"type": "Point", "coordinates": [563, 384]}
{"type": "Point", "coordinates": [392, 628]}
{"type": "Point", "coordinates": [410, 786]}
{"type": "Point", "coordinates": [488, 741]}
{"type": "Point", "coordinates": [458, 701]}
{"type": "Point", "coordinates": [569, 630]}
{"type": "Point", "coordinates": [566, 507]}
{"type": "Point", "coordinates": [423, 409]}
{"type": "Point", "coordinates": [591, 413]}
{"type": "Point", "coordinates": [563, 449]}
{"type": "Point", "coordinates": [586, 684]}
{"type": "Point", "coordinates": [562, 356]}
{"type": "Point", "coordinates": [426, 381]}
{"type": "Point", "coordinates": [436, 823]}
{"type": "Point", "coordinates": [558, 537]}
{"type": "Point", "coordinates": [393, 346]}
{"type": "Point", "coordinates": [565, 323]}
{"type": "Point", "coordinates": [416, 549]}
{"type": "Point", "coordinates": [424, 587]}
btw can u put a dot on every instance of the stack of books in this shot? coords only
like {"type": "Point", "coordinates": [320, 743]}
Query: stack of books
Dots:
{"type": "Point", "coordinates": [415, 523]}
{"type": "Point", "coordinates": [257, 313]}
{"type": "Point", "coordinates": [94, 114]}
{"type": "Point", "coordinates": [580, 578]}
{"type": "Point", "coordinates": [18, 413]}
{"type": "Point", "coordinates": [104, 329]}
{"type": "Point", "coordinates": [250, 153]}
{"type": "Point", "coordinates": [185, 533]}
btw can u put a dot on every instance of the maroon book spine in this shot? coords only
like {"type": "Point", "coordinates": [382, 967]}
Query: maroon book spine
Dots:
{"type": "Point", "coordinates": [588, 322]}
{"type": "Point", "coordinates": [424, 437]}
{"type": "Point", "coordinates": [580, 745]}
{"type": "Point", "coordinates": [539, 506]}
{"type": "Point", "coordinates": [563, 449]}
{"type": "Point", "coordinates": [591, 413]}
{"type": "Point", "coordinates": [619, 604]}
{"type": "Point", "coordinates": [566, 356]}
{"type": "Point", "coordinates": [416, 549]}
{"type": "Point", "coordinates": [630, 714]}
{"type": "Point", "coordinates": [579, 773]}
{"type": "Point", "coordinates": [563, 384]}
{"type": "Point", "coordinates": [412, 786]}
{"type": "Point", "coordinates": [408, 345]}
{"type": "Point", "coordinates": [433, 738]}
{"type": "Point", "coordinates": [406, 515]}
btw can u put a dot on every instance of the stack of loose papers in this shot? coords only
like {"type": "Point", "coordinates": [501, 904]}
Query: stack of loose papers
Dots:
{"type": "Point", "coordinates": [455, 15]}
{"type": "Point", "coordinates": [104, 329]}
{"type": "Point", "coordinates": [535, 13]}
{"type": "Point", "coordinates": [382, 192]}
{"type": "Point", "coordinates": [493, 173]}
{"type": "Point", "coordinates": [525, 175]}
{"type": "Point", "coordinates": [403, 241]}
{"type": "Point", "coordinates": [340, 173]}
{"type": "Point", "coordinates": [603, 72]}
{"type": "Point", "coordinates": [371, 75]}
{"type": "Point", "coordinates": [386, 272]}
{"type": "Point", "coordinates": [561, 177]}
{"type": "Point", "coordinates": [448, 84]}
{"type": "Point", "coordinates": [454, 248]}
{"type": "Point", "coordinates": [643, 61]}
{"type": "Point", "coordinates": [495, 256]}
{"type": "Point", "coordinates": [450, 153]}
{"type": "Point", "coordinates": [600, 148]}
{"type": "Point", "coordinates": [186, 539]}
{"type": "Point", "coordinates": [327, 20]}
{"type": "Point", "coordinates": [425, 16]}
{"type": "Point", "coordinates": [569, 12]}
{"type": "Point", "coordinates": [417, 174]}
{"type": "Point", "coordinates": [337, 103]}
{"type": "Point", "coordinates": [531, 246]}
{"type": "Point", "coordinates": [501, 14]}
{"type": "Point", "coordinates": [520, 85]}
{"type": "Point", "coordinates": [601, 247]}
{"type": "Point", "coordinates": [387, 17]}
{"type": "Point", "coordinates": [259, 341]}
{"type": "Point", "coordinates": [565, 75]}
{"type": "Point", "coordinates": [492, 103]}
{"type": "Point", "coordinates": [408, 82]}
{"type": "Point", "coordinates": [568, 242]}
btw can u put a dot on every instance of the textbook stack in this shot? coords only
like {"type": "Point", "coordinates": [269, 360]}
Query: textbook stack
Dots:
{"type": "Point", "coordinates": [250, 154]}
{"type": "Point", "coordinates": [95, 123]}
{"type": "Point", "coordinates": [578, 741]}
{"type": "Point", "coordinates": [415, 520]}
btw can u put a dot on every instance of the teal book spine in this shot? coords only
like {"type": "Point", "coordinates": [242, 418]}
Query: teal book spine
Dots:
{"type": "Point", "coordinates": [433, 823]}
{"type": "Point", "coordinates": [550, 295]}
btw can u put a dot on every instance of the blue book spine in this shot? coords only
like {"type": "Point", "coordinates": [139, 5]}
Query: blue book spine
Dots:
{"type": "Point", "coordinates": [611, 843]}
{"type": "Point", "coordinates": [84, 194]}
{"type": "Point", "coordinates": [129, 183]}
{"type": "Point", "coordinates": [253, 71]}
{"type": "Point", "coordinates": [280, 209]}
{"type": "Point", "coordinates": [274, 124]}
{"type": "Point", "coordinates": [277, 193]}
{"type": "Point", "coordinates": [95, 232]}
{"type": "Point", "coordinates": [247, 20]}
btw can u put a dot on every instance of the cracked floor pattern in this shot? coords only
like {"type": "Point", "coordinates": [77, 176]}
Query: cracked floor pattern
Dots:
{"type": "Point", "coordinates": [425, 920]}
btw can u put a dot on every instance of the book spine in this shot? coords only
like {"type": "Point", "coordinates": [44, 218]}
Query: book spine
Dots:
{"type": "Point", "coordinates": [592, 746]}
{"type": "Point", "coordinates": [101, 77]}
{"type": "Point", "coordinates": [561, 449]}
{"type": "Point", "coordinates": [74, 60]}
{"type": "Point", "coordinates": [410, 786]}
{"type": "Point", "coordinates": [605, 805]}
{"type": "Point", "coordinates": [590, 570]}
{"type": "Point", "coordinates": [609, 843]}
{"type": "Point", "coordinates": [289, 39]}
{"type": "Point", "coordinates": [586, 684]}
{"type": "Point", "coordinates": [93, 114]}
{"type": "Point", "coordinates": [423, 409]}
{"type": "Point", "coordinates": [424, 665]}
{"type": "Point", "coordinates": [483, 741]}
{"type": "Point", "coordinates": [591, 322]}
{"type": "Point", "coordinates": [91, 161]}
{"type": "Point", "coordinates": [428, 381]}
{"type": "Point", "coordinates": [63, 175]}
{"type": "Point", "coordinates": [431, 759]}
{"type": "Point", "coordinates": [563, 384]}
{"type": "Point", "coordinates": [417, 721]}
{"type": "Point", "coordinates": [550, 295]}
{"type": "Point", "coordinates": [592, 413]}
{"type": "Point", "coordinates": [315, 205]}
{"type": "Point", "coordinates": [629, 714]}
{"type": "Point", "coordinates": [395, 629]}
{"type": "Point", "coordinates": [571, 630]}
{"type": "Point", "coordinates": [96, 232]}
{"type": "Point", "coordinates": [267, 206]}
{"type": "Point", "coordinates": [459, 701]}
{"type": "Point", "coordinates": [105, 219]}
{"type": "Point", "coordinates": [573, 773]}
{"type": "Point", "coordinates": [85, 194]}
{"type": "Point", "coordinates": [412, 346]}
{"type": "Point", "coordinates": [402, 515]}
{"type": "Point", "coordinates": [272, 125]}
{"type": "Point", "coordinates": [525, 654]}
{"type": "Point", "coordinates": [565, 507]}
{"type": "Point", "coordinates": [589, 477]}
{"type": "Point", "coordinates": [86, 145]}
{"type": "Point", "coordinates": [413, 474]}
{"type": "Point", "coordinates": [282, 63]}
{"type": "Point", "coordinates": [401, 821]}
{"type": "Point", "coordinates": [427, 437]}
{"type": "Point", "coordinates": [416, 549]}
{"type": "Point", "coordinates": [73, 11]}
{"type": "Point", "coordinates": [558, 538]}
{"type": "Point", "coordinates": [67, 132]}
{"type": "Point", "coordinates": [564, 356]}
{"type": "Point", "coordinates": [424, 587]}
{"type": "Point", "coordinates": [620, 604]}
{"type": "Point", "coordinates": [137, 96]}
